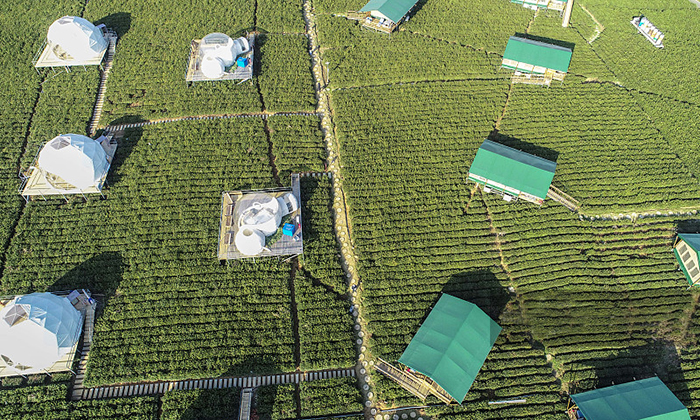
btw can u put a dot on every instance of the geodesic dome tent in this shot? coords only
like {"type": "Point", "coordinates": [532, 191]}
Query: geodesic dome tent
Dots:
{"type": "Point", "coordinates": [37, 330]}
{"type": "Point", "coordinates": [75, 38]}
{"type": "Point", "coordinates": [76, 159]}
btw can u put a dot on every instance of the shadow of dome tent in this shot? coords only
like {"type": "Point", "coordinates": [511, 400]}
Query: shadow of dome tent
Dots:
{"type": "Point", "coordinates": [38, 332]}
{"type": "Point", "coordinates": [638, 400]}
{"type": "Point", "coordinates": [261, 223]}
{"type": "Point", "coordinates": [447, 352]}
{"type": "Point", "coordinates": [74, 41]}
{"type": "Point", "coordinates": [70, 164]}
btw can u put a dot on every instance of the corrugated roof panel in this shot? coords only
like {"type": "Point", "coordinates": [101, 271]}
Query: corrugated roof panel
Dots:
{"type": "Point", "coordinates": [452, 345]}
{"type": "Point", "coordinates": [538, 53]}
{"type": "Point", "coordinates": [393, 9]}
{"type": "Point", "coordinates": [647, 399]}
{"type": "Point", "coordinates": [692, 239]}
{"type": "Point", "coordinates": [514, 168]}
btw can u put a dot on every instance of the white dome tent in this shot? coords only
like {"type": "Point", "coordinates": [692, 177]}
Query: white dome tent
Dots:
{"type": "Point", "coordinates": [259, 215]}
{"type": "Point", "coordinates": [262, 223]}
{"type": "Point", "coordinates": [219, 52]}
{"type": "Point", "coordinates": [75, 38]}
{"type": "Point", "coordinates": [37, 330]}
{"type": "Point", "coordinates": [78, 160]}
{"type": "Point", "coordinates": [219, 57]}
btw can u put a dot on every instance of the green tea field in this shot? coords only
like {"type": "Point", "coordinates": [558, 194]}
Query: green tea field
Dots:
{"type": "Point", "coordinates": [383, 129]}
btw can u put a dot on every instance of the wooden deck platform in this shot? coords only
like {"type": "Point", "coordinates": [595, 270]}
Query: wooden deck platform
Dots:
{"type": "Point", "coordinates": [374, 24]}
{"type": "Point", "coordinates": [35, 182]}
{"type": "Point", "coordinates": [369, 22]}
{"type": "Point", "coordinates": [284, 246]}
{"type": "Point", "coordinates": [48, 58]}
{"type": "Point", "coordinates": [194, 73]}
{"type": "Point", "coordinates": [534, 79]}
{"type": "Point", "coordinates": [64, 364]}
{"type": "Point", "coordinates": [416, 384]}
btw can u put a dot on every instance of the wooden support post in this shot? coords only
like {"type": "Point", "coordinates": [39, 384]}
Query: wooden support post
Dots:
{"type": "Point", "coordinates": [567, 13]}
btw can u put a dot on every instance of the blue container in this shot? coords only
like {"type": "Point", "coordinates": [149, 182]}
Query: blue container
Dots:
{"type": "Point", "coordinates": [288, 229]}
{"type": "Point", "coordinates": [242, 61]}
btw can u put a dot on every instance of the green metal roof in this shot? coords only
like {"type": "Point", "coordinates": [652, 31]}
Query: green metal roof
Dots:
{"type": "Point", "coordinates": [648, 399]}
{"type": "Point", "coordinates": [516, 169]}
{"type": "Point", "coordinates": [452, 344]}
{"type": "Point", "coordinates": [692, 239]}
{"type": "Point", "coordinates": [538, 53]}
{"type": "Point", "coordinates": [393, 9]}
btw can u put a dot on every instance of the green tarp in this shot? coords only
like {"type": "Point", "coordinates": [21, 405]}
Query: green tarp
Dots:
{"type": "Point", "coordinates": [538, 53]}
{"type": "Point", "coordinates": [452, 344]}
{"type": "Point", "coordinates": [647, 399]}
{"type": "Point", "coordinates": [393, 9]}
{"type": "Point", "coordinates": [511, 167]}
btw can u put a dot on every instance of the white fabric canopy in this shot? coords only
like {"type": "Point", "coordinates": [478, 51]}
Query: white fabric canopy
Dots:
{"type": "Point", "coordinates": [259, 211]}
{"type": "Point", "coordinates": [36, 330]}
{"type": "Point", "coordinates": [249, 241]}
{"type": "Point", "coordinates": [259, 215]}
{"type": "Point", "coordinates": [77, 37]}
{"type": "Point", "coordinates": [219, 52]}
{"type": "Point", "coordinates": [79, 160]}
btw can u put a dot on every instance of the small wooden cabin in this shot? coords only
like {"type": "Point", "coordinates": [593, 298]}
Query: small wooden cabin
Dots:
{"type": "Point", "coordinates": [511, 173]}
{"type": "Point", "coordinates": [535, 62]}
{"type": "Point", "coordinates": [383, 15]}
{"type": "Point", "coordinates": [542, 4]}
{"type": "Point", "coordinates": [686, 251]}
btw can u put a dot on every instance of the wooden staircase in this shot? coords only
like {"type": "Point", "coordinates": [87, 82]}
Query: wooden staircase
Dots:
{"type": "Point", "coordinates": [561, 197]}
{"type": "Point", "coordinates": [97, 111]}
{"type": "Point", "coordinates": [77, 392]}
{"type": "Point", "coordinates": [246, 402]}
{"type": "Point", "coordinates": [417, 385]}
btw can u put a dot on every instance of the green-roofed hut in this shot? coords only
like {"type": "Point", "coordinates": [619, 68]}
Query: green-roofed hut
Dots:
{"type": "Point", "coordinates": [451, 345]}
{"type": "Point", "coordinates": [512, 173]}
{"type": "Point", "coordinates": [383, 15]}
{"type": "Point", "coordinates": [542, 4]}
{"type": "Point", "coordinates": [686, 250]}
{"type": "Point", "coordinates": [647, 399]}
{"type": "Point", "coordinates": [535, 62]}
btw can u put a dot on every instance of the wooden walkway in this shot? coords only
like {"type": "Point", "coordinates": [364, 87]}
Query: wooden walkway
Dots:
{"type": "Point", "coordinates": [82, 364]}
{"type": "Point", "coordinates": [561, 197]}
{"type": "Point", "coordinates": [264, 115]}
{"type": "Point", "coordinates": [97, 111]}
{"type": "Point", "coordinates": [161, 387]}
